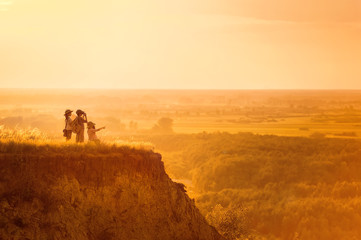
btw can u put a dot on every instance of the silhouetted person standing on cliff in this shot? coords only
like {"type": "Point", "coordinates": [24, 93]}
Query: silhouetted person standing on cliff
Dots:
{"type": "Point", "coordinates": [79, 125]}
{"type": "Point", "coordinates": [68, 128]}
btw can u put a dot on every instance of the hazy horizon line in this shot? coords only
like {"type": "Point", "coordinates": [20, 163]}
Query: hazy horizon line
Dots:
{"type": "Point", "coordinates": [187, 89]}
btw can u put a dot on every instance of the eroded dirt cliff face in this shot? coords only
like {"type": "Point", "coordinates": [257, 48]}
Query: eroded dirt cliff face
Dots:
{"type": "Point", "coordinates": [50, 194]}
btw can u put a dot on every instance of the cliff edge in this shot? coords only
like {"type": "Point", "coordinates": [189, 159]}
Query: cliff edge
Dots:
{"type": "Point", "coordinates": [93, 192]}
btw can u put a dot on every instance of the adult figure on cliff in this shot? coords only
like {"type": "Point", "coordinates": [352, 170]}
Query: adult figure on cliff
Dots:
{"type": "Point", "coordinates": [79, 125]}
{"type": "Point", "coordinates": [68, 128]}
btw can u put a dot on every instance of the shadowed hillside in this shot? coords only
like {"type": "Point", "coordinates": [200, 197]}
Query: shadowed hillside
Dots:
{"type": "Point", "coordinates": [88, 192]}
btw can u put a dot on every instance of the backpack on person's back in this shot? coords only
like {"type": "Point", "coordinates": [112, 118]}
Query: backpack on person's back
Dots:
{"type": "Point", "coordinates": [75, 125]}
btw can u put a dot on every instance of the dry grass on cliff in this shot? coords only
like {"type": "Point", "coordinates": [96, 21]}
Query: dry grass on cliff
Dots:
{"type": "Point", "coordinates": [22, 135]}
{"type": "Point", "coordinates": [31, 140]}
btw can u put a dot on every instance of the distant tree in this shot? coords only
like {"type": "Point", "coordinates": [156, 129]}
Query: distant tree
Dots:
{"type": "Point", "coordinates": [230, 222]}
{"type": "Point", "coordinates": [113, 123]}
{"type": "Point", "coordinates": [164, 125]}
{"type": "Point", "coordinates": [317, 135]}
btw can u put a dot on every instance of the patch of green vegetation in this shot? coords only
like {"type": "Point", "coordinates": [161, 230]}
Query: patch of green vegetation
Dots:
{"type": "Point", "coordinates": [288, 187]}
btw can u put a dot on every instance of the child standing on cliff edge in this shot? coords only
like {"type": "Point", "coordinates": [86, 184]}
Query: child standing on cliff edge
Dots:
{"type": "Point", "coordinates": [92, 132]}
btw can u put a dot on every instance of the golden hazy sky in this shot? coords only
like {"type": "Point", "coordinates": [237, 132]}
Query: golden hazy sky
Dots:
{"type": "Point", "coordinates": [228, 44]}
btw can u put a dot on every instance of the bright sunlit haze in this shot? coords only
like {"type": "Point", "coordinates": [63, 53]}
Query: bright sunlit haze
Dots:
{"type": "Point", "coordinates": [180, 44]}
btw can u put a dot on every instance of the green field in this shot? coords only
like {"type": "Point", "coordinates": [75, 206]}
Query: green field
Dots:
{"type": "Point", "coordinates": [290, 127]}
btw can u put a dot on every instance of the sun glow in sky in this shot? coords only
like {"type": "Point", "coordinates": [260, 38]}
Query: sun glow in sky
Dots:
{"type": "Point", "coordinates": [211, 44]}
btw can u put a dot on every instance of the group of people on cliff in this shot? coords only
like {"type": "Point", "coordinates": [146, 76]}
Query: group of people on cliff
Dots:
{"type": "Point", "coordinates": [76, 125]}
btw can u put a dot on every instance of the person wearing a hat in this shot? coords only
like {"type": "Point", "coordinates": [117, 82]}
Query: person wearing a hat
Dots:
{"type": "Point", "coordinates": [81, 119]}
{"type": "Point", "coordinates": [92, 136]}
{"type": "Point", "coordinates": [68, 128]}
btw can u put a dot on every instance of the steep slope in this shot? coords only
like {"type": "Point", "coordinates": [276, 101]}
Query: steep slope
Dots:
{"type": "Point", "coordinates": [87, 192]}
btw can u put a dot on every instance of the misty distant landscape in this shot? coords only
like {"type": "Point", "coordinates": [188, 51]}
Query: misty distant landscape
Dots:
{"type": "Point", "coordinates": [332, 113]}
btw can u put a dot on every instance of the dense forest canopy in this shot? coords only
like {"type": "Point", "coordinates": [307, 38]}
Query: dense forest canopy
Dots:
{"type": "Point", "coordinates": [289, 187]}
